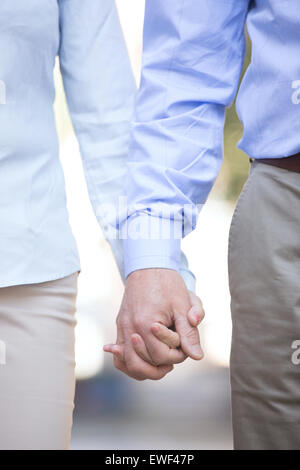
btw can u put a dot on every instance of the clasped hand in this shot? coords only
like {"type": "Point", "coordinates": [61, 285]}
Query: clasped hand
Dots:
{"type": "Point", "coordinates": [156, 325]}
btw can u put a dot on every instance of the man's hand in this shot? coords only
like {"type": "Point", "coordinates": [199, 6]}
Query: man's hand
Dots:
{"type": "Point", "coordinates": [154, 301]}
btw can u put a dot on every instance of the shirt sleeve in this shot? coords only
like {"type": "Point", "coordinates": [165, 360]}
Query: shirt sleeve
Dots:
{"type": "Point", "coordinates": [100, 91]}
{"type": "Point", "coordinates": [192, 58]}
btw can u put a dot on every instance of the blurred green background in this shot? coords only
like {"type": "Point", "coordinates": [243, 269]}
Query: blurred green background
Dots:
{"type": "Point", "coordinates": [236, 164]}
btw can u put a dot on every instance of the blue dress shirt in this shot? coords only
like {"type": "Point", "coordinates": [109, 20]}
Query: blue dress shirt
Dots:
{"type": "Point", "coordinates": [192, 60]}
{"type": "Point", "coordinates": [36, 242]}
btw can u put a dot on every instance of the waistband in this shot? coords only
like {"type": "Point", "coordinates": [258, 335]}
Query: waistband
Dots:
{"type": "Point", "coordinates": [291, 163]}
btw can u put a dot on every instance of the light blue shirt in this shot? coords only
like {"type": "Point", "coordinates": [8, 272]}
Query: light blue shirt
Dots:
{"type": "Point", "coordinates": [192, 60]}
{"type": "Point", "coordinates": [36, 242]}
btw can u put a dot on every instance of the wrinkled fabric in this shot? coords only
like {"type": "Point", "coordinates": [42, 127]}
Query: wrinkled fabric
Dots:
{"type": "Point", "coordinates": [192, 60]}
{"type": "Point", "coordinates": [37, 370]}
{"type": "Point", "coordinates": [36, 242]}
{"type": "Point", "coordinates": [264, 267]}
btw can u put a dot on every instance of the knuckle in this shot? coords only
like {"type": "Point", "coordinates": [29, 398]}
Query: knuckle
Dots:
{"type": "Point", "coordinates": [155, 361]}
{"type": "Point", "coordinates": [120, 321]}
{"type": "Point", "coordinates": [180, 311]}
{"type": "Point", "coordinates": [201, 315]}
{"type": "Point", "coordinates": [139, 323]}
{"type": "Point", "coordinates": [173, 344]}
{"type": "Point", "coordinates": [175, 339]}
{"type": "Point", "coordinates": [181, 357]}
{"type": "Point", "coordinates": [134, 369]}
{"type": "Point", "coordinates": [191, 335]}
{"type": "Point", "coordinates": [158, 358]}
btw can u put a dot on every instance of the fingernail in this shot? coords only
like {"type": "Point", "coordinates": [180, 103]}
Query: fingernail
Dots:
{"type": "Point", "coordinates": [155, 328]}
{"type": "Point", "coordinates": [135, 339]}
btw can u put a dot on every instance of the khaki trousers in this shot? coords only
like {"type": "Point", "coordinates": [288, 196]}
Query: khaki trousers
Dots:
{"type": "Point", "coordinates": [37, 364]}
{"type": "Point", "coordinates": [264, 274]}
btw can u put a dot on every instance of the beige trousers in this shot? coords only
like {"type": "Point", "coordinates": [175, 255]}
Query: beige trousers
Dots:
{"type": "Point", "coordinates": [264, 274]}
{"type": "Point", "coordinates": [37, 364]}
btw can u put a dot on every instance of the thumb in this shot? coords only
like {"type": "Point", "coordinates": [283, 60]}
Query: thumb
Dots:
{"type": "Point", "coordinates": [189, 336]}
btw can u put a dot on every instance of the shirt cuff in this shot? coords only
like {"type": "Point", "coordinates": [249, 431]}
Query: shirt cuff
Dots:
{"type": "Point", "coordinates": [147, 252]}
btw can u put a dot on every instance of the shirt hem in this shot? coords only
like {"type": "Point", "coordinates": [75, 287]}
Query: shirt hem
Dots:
{"type": "Point", "coordinates": [39, 279]}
